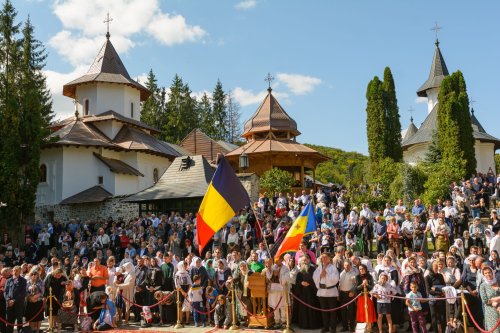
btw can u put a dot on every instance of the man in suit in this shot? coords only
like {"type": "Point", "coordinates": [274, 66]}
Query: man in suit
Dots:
{"type": "Point", "coordinates": [15, 294]}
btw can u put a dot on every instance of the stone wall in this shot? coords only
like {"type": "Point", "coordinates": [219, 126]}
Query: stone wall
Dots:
{"type": "Point", "coordinates": [114, 207]}
{"type": "Point", "coordinates": [250, 182]}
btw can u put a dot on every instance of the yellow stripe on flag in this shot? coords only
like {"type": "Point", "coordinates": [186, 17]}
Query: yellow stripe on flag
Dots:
{"type": "Point", "coordinates": [219, 212]}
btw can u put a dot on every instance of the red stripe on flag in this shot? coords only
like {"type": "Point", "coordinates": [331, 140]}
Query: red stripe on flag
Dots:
{"type": "Point", "coordinates": [203, 232]}
{"type": "Point", "coordinates": [290, 244]}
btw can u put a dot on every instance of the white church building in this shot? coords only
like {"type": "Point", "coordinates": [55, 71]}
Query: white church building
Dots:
{"type": "Point", "coordinates": [416, 141]}
{"type": "Point", "coordinates": [104, 152]}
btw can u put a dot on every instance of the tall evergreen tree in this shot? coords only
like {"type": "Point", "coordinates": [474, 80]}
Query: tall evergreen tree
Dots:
{"type": "Point", "coordinates": [151, 108]}
{"type": "Point", "coordinates": [456, 141]}
{"type": "Point", "coordinates": [393, 125]}
{"type": "Point", "coordinates": [375, 120]}
{"type": "Point", "coordinates": [219, 107]}
{"type": "Point", "coordinates": [207, 121]}
{"type": "Point", "coordinates": [233, 119]}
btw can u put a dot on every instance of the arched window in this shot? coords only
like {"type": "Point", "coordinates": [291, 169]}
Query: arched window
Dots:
{"type": "Point", "coordinates": [43, 173]}
{"type": "Point", "coordinates": [131, 110]}
{"type": "Point", "coordinates": [155, 175]}
{"type": "Point", "coordinates": [86, 107]}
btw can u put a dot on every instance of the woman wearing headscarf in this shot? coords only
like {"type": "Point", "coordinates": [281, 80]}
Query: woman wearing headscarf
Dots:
{"type": "Point", "coordinates": [35, 300]}
{"type": "Point", "coordinates": [183, 282]}
{"type": "Point", "coordinates": [240, 280]}
{"type": "Point", "coordinates": [221, 275]}
{"type": "Point", "coordinates": [457, 251]}
{"type": "Point", "coordinates": [364, 281]}
{"type": "Point", "coordinates": [57, 281]}
{"type": "Point", "coordinates": [490, 295]}
{"type": "Point", "coordinates": [435, 283]}
{"type": "Point", "coordinates": [126, 287]}
{"type": "Point", "coordinates": [209, 266]}
{"type": "Point", "coordinates": [469, 282]}
{"type": "Point", "coordinates": [391, 268]}
{"type": "Point", "coordinates": [196, 268]}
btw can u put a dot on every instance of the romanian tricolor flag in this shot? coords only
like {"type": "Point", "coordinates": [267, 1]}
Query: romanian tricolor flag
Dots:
{"type": "Point", "coordinates": [304, 224]}
{"type": "Point", "coordinates": [224, 198]}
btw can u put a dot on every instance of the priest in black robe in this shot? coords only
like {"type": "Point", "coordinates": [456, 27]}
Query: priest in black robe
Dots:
{"type": "Point", "coordinates": [305, 290]}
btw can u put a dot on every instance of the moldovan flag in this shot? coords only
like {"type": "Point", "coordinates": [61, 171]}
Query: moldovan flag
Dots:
{"type": "Point", "coordinates": [224, 198]}
{"type": "Point", "coordinates": [304, 224]}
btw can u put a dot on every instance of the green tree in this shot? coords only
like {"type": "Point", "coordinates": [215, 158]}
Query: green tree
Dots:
{"type": "Point", "coordinates": [433, 155]}
{"type": "Point", "coordinates": [233, 119]}
{"type": "Point", "coordinates": [497, 163]}
{"type": "Point", "coordinates": [276, 180]}
{"type": "Point", "coordinates": [393, 125]}
{"type": "Point", "coordinates": [219, 109]}
{"type": "Point", "coordinates": [375, 120]}
{"type": "Point", "coordinates": [408, 184]}
{"type": "Point", "coordinates": [207, 121]}
{"type": "Point", "coordinates": [456, 141]}
{"type": "Point", "coordinates": [152, 108]}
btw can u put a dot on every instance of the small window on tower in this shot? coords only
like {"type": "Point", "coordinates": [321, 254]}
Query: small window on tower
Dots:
{"type": "Point", "coordinates": [155, 175]}
{"type": "Point", "coordinates": [86, 107]}
{"type": "Point", "coordinates": [43, 173]}
{"type": "Point", "coordinates": [100, 180]}
{"type": "Point", "coordinates": [131, 110]}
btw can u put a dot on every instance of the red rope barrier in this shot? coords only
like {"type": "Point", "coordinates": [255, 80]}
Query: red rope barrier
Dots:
{"type": "Point", "coordinates": [26, 322]}
{"type": "Point", "coordinates": [69, 310]}
{"type": "Point", "coordinates": [477, 325]}
{"type": "Point", "coordinates": [418, 298]}
{"type": "Point", "coordinates": [259, 317]}
{"type": "Point", "coordinates": [151, 306]}
{"type": "Point", "coordinates": [323, 310]}
{"type": "Point", "coordinates": [200, 312]}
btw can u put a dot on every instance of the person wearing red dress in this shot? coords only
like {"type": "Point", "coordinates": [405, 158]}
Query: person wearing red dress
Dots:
{"type": "Point", "coordinates": [365, 280]}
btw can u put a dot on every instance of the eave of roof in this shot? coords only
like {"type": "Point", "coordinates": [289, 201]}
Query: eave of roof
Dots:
{"type": "Point", "coordinates": [94, 194]}
{"type": "Point", "coordinates": [118, 166]}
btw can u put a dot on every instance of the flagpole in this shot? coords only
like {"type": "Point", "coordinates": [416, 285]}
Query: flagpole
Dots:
{"type": "Point", "coordinates": [261, 228]}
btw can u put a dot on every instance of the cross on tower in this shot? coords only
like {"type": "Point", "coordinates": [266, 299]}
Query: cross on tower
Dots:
{"type": "Point", "coordinates": [411, 113]}
{"type": "Point", "coordinates": [471, 103]}
{"type": "Point", "coordinates": [107, 20]}
{"type": "Point", "coordinates": [436, 29]}
{"type": "Point", "coordinates": [269, 78]}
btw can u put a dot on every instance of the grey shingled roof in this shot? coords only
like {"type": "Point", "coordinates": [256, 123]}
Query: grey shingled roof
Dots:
{"type": "Point", "coordinates": [177, 183]}
{"type": "Point", "coordinates": [80, 134]}
{"type": "Point", "coordinates": [107, 67]}
{"type": "Point", "coordinates": [136, 139]}
{"type": "Point", "coordinates": [410, 131]}
{"type": "Point", "coordinates": [437, 73]}
{"type": "Point", "coordinates": [430, 125]}
{"type": "Point", "coordinates": [94, 194]}
{"type": "Point", "coordinates": [118, 166]}
{"type": "Point", "coordinates": [227, 145]}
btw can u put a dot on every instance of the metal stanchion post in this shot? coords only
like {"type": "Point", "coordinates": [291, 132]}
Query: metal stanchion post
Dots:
{"type": "Point", "coordinates": [179, 311]}
{"type": "Point", "coordinates": [51, 328]}
{"type": "Point", "coordinates": [288, 329]}
{"type": "Point", "coordinates": [365, 292]}
{"type": "Point", "coordinates": [234, 326]}
{"type": "Point", "coordinates": [464, 310]}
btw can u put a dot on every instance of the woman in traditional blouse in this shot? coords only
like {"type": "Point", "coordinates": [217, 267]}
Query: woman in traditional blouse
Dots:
{"type": "Point", "coordinates": [35, 300]}
{"type": "Point", "coordinates": [490, 295]}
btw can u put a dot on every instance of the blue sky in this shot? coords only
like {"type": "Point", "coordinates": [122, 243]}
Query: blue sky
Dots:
{"type": "Point", "coordinates": [322, 53]}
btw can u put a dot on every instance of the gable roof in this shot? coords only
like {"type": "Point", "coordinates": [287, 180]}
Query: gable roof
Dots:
{"type": "Point", "coordinates": [107, 67]}
{"type": "Point", "coordinates": [78, 133]}
{"type": "Point", "coordinates": [136, 139]}
{"type": "Point", "coordinates": [270, 116]}
{"type": "Point", "coordinates": [94, 194]}
{"type": "Point", "coordinates": [118, 166]}
{"type": "Point", "coordinates": [179, 183]}
{"type": "Point", "coordinates": [437, 73]}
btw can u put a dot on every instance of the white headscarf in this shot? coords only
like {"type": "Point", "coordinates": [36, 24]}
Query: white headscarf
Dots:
{"type": "Point", "coordinates": [180, 268]}
{"type": "Point", "coordinates": [129, 268]}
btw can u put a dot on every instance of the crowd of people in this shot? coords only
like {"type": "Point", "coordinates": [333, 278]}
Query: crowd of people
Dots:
{"type": "Point", "coordinates": [105, 273]}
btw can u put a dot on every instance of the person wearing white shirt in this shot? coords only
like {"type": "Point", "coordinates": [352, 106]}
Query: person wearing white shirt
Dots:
{"type": "Point", "coordinates": [388, 211]}
{"type": "Point", "coordinates": [347, 285]}
{"type": "Point", "coordinates": [367, 213]}
{"type": "Point", "coordinates": [432, 226]}
{"type": "Point", "coordinates": [326, 279]}
{"type": "Point", "coordinates": [495, 242]}
{"type": "Point", "coordinates": [400, 211]}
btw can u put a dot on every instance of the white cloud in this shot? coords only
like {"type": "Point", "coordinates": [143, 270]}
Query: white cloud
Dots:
{"type": "Point", "coordinates": [299, 84]}
{"type": "Point", "coordinates": [83, 34]}
{"type": "Point", "coordinates": [420, 100]}
{"type": "Point", "coordinates": [199, 94]}
{"type": "Point", "coordinates": [248, 97]}
{"type": "Point", "coordinates": [246, 4]}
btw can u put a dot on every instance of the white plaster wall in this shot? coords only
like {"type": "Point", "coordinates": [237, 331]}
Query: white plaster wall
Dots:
{"type": "Point", "coordinates": [146, 163]}
{"type": "Point", "coordinates": [126, 184]}
{"type": "Point", "coordinates": [432, 99]}
{"type": "Point", "coordinates": [110, 127]}
{"type": "Point", "coordinates": [50, 192]}
{"type": "Point", "coordinates": [415, 153]}
{"type": "Point", "coordinates": [485, 156]}
{"type": "Point", "coordinates": [109, 96]}
{"type": "Point", "coordinates": [81, 170]}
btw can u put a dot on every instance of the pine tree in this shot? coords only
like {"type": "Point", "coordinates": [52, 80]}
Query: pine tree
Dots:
{"type": "Point", "coordinates": [456, 141]}
{"type": "Point", "coordinates": [233, 119]}
{"type": "Point", "coordinates": [207, 122]}
{"type": "Point", "coordinates": [375, 120]}
{"type": "Point", "coordinates": [393, 125]}
{"type": "Point", "coordinates": [219, 107]}
{"type": "Point", "coordinates": [150, 112]}
{"type": "Point", "coordinates": [433, 155]}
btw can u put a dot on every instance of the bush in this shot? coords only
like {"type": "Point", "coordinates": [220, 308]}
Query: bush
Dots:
{"type": "Point", "coordinates": [277, 180]}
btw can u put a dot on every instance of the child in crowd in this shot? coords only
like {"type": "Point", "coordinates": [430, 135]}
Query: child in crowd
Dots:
{"type": "Point", "coordinates": [222, 314]}
{"type": "Point", "coordinates": [211, 297]}
{"type": "Point", "coordinates": [196, 297]}
{"type": "Point", "coordinates": [417, 316]}
{"type": "Point", "coordinates": [382, 291]}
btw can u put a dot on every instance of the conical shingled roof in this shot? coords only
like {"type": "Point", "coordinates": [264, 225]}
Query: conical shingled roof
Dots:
{"type": "Point", "coordinates": [270, 117]}
{"type": "Point", "coordinates": [107, 67]}
{"type": "Point", "coordinates": [410, 131]}
{"type": "Point", "coordinates": [437, 73]}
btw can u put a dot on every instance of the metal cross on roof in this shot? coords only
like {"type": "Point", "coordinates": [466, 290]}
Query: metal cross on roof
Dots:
{"type": "Point", "coordinates": [107, 21]}
{"type": "Point", "coordinates": [269, 78]}
{"type": "Point", "coordinates": [436, 29]}
{"type": "Point", "coordinates": [411, 113]}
